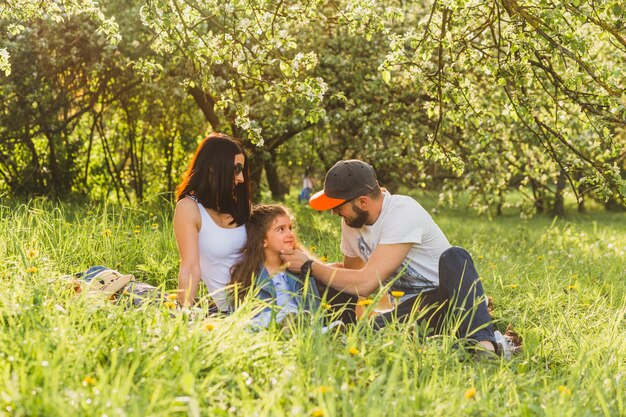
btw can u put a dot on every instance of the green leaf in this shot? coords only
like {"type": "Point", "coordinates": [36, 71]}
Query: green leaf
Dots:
{"type": "Point", "coordinates": [386, 76]}
{"type": "Point", "coordinates": [285, 68]}
{"type": "Point", "coordinates": [187, 381]}
{"type": "Point", "coordinates": [617, 10]}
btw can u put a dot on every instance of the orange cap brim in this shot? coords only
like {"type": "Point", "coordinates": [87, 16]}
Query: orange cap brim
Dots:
{"type": "Point", "coordinates": [320, 201]}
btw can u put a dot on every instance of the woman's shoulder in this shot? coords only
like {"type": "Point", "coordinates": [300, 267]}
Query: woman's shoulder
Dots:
{"type": "Point", "coordinates": [186, 208]}
{"type": "Point", "coordinates": [187, 203]}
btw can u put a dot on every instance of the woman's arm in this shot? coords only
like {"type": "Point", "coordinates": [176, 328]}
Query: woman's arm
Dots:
{"type": "Point", "coordinates": [187, 223]}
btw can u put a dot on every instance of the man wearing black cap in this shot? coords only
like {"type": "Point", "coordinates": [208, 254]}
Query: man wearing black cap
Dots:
{"type": "Point", "coordinates": [391, 238]}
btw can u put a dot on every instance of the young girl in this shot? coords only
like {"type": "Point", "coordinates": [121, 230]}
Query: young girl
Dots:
{"type": "Point", "coordinates": [269, 230]}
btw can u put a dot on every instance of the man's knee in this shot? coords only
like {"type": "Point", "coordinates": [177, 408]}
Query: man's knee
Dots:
{"type": "Point", "coordinates": [455, 264]}
{"type": "Point", "coordinates": [454, 258]}
{"type": "Point", "coordinates": [453, 253]}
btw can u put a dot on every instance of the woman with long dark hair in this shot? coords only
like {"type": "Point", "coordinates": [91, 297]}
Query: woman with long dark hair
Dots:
{"type": "Point", "coordinates": [213, 205]}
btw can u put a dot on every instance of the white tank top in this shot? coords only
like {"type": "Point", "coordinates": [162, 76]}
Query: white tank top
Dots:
{"type": "Point", "coordinates": [219, 249]}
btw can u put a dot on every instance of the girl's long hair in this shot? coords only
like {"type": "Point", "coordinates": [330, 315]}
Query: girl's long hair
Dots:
{"type": "Point", "coordinates": [210, 178]}
{"type": "Point", "coordinates": [260, 221]}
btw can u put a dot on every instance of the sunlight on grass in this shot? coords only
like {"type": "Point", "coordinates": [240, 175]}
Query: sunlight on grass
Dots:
{"type": "Point", "coordinates": [559, 284]}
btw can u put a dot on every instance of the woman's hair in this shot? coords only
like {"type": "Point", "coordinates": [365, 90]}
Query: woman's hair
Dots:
{"type": "Point", "coordinates": [261, 219]}
{"type": "Point", "coordinates": [210, 178]}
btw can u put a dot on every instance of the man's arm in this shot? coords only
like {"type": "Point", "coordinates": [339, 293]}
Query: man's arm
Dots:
{"type": "Point", "coordinates": [356, 277]}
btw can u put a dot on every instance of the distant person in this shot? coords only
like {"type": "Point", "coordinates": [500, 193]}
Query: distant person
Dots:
{"type": "Point", "coordinates": [270, 231]}
{"type": "Point", "coordinates": [213, 205]}
{"type": "Point", "coordinates": [307, 187]}
{"type": "Point", "coordinates": [391, 238]}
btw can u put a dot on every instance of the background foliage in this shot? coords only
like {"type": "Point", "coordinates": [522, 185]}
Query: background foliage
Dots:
{"type": "Point", "coordinates": [108, 99]}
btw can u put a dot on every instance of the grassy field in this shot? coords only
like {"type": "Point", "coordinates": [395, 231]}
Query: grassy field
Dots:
{"type": "Point", "coordinates": [560, 283]}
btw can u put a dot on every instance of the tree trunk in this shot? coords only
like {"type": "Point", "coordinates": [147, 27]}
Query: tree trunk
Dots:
{"type": "Point", "coordinates": [256, 156]}
{"type": "Point", "coordinates": [206, 103]}
{"type": "Point", "coordinates": [35, 178]}
{"type": "Point", "coordinates": [277, 188]}
{"type": "Point", "coordinates": [169, 161]}
{"type": "Point", "coordinates": [558, 209]}
{"type": "Point", "coordinates": [88, 158]}
{"type": "Point", "coordinates": [581, 200]}
{"type": "Point", "coordinates": [539, 196]}
{"type": "Point", "coordinates": [614, 206]}
{"type": "Point", "coordinates": [110, 165]}
{"type": "Point", "coordinates": [54, 187]}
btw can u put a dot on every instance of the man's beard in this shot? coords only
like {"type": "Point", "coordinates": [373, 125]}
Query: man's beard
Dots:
{"type": "Point", "coordinates": [360, 219]}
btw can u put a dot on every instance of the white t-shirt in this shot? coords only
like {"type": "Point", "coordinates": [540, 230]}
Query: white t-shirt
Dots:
{"type": "Point", "coordinates": [219, 249]}
{"type": "Point", "coordinates": [401, 220]}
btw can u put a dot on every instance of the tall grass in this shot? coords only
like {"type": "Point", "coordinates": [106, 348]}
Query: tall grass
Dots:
{"type": "Point", "coordinates": [559, 283]}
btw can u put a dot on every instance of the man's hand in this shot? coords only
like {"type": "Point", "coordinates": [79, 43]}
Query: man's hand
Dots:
{"type": "Point", "coordinates": [294, 259]}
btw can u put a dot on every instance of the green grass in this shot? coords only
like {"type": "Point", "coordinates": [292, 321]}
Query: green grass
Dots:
{"type": "Point", "coordinates": [559, 283]}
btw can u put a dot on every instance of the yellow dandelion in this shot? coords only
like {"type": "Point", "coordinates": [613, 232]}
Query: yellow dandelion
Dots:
{"type": "Point", "coordinates": [32, 270]}
{"type": "Point", "coordinates": [107, 233]}
{"type": "Point", "coordinates": [572, 287]}
{"type": "Point", "coordinates": [493, 266]}
{"type": "Point", "coordinates": [172, 297]}
{"type": "Point", "coordinates": [470, 393]}
{"type": "Point", "coordinates": [326, 306]}
{"type": "Point", "coordinates": [480, 258]}
{"type": "Point", "coordinates": [88, 381]}
{"type": "Point", "coordinates": [564, 390]}
{"type": "Point", "coordinates": [155, 226]}
{"type": "Point", "coordinates": [317, 412]}
{"type": "Point", "coordinates": [323, 389]}
{"type": "Point", "coordinates": [513, 286]}
{"type": "Point", "coordinates": [353, 351]}
{"type": "Point", "coordinates": [364, 302]}
{"type": "Point", "coordinates": [539, 257]}
{"type": "Point", "coordinates": [397, 294]}
{"type": "Point", "coordinates": [313, 248]}
{"type": "Point", "coordinates": [324, 259]}
{"type": "Point", "coordinates": [208, 327]}
{"type": "Point", "coordinates": [137, 231]}
{"type": "Point", "coordinates": [31, 253]}
{"type": "Point", "coordinates": [170, 304]}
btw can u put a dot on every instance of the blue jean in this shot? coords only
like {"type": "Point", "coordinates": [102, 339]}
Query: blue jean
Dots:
{"type": "Point", "coordinates": [460, 296]}
{"type": "Point", "coordinates": [460, 292]}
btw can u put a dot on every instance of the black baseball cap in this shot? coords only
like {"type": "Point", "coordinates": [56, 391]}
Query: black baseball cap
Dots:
{"type": "Point", "coordinates": [345, 181]}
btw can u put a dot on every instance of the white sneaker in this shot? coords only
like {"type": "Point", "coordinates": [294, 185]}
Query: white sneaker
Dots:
{"type": "Point", "coordinates": [336, 325]}
{"type": "Point", "coordinates": [504, 348]}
